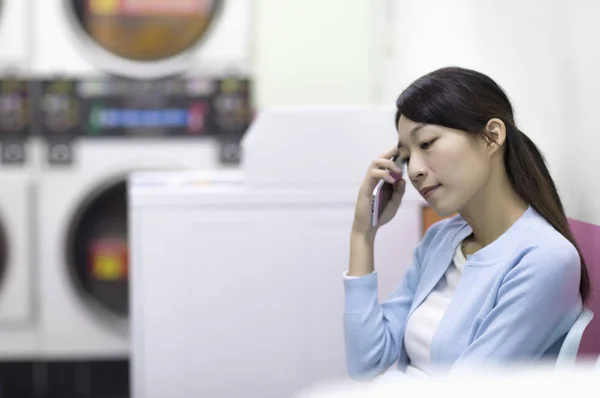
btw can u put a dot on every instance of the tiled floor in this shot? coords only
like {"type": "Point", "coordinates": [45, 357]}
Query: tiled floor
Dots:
{"type": "Point", "coordinates": [65, 379]}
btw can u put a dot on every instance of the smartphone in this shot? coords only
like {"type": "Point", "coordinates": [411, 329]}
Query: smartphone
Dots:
{"type": "Point", "coordinates": [382, 194]}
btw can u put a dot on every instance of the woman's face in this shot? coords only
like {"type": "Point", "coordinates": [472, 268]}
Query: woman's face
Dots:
{"type": "Point", "coordinates": [448, 167]}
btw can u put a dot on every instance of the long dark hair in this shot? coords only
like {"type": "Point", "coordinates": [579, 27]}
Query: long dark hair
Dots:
{"type": "Point", "coordinates": [466, 100]}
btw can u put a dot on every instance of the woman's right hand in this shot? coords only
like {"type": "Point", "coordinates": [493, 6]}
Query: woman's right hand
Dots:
{"type": "Point", "coordinates": [379, 168]}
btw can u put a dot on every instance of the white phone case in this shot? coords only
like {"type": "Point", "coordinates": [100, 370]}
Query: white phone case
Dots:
{"type": "Point", "coordinates": [374, 200]}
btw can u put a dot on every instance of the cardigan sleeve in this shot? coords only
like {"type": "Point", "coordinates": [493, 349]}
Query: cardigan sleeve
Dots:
{"type": "Point", "coordinates": [537, 303]}
{"type": "Point", "coordinates": [373, 331]}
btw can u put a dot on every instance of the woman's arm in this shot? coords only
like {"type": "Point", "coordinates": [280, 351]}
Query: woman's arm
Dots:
{"type": "Point", "coordinates": [373, 331]}
{"type": "Point", "coordinates": [361, 254]}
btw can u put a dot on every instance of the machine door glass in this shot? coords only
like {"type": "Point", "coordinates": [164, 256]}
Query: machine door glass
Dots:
{"type": "Point", "coordinates": [97, 248]}
{"type": "Point", "coordinates": [146, 30]}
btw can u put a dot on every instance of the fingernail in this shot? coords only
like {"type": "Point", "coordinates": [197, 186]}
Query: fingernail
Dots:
{"type": "Point", "coordinates": [396, 175]}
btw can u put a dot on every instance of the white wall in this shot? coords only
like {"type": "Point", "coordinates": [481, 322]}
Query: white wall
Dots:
{"type": "Point", "coordinates": [581, 162]}
{"type": "Point", "coordinates": [313, 52]}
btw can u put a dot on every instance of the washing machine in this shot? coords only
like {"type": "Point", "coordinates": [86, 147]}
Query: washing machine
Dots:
{"type": "Point", "coordinates": [91, 144]}
{"type": "Point", "coordinates": [19, 337]}
{"type": "Point", "coordinates": [83, 242]}
{"type": "Point", "coordinates": [85, 37]}
{"type": "Point", "coordinates": [19, 333]}
{"type": "Point", "coordinates": [81, 194]}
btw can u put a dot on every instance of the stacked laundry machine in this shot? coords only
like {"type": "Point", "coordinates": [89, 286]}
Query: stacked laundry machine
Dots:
{"type": "Point", "coordinates": [19, 292]}
{"type": "Point", "coordinates": [80, 109]}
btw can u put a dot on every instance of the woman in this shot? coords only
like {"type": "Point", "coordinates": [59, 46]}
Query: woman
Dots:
{"type": "Point", "coordinates": [501, 281]}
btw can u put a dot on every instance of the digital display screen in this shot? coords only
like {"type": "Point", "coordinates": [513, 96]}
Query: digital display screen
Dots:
{"type": "Point", "coordinates": [190, 119]}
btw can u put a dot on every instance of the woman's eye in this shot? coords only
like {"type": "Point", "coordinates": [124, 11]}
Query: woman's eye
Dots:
{"type": "Point", "coordinates": [427, 144]}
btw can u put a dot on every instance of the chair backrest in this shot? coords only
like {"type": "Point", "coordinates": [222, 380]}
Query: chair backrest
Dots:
{"type": "Point", "coordinates": [570, 347]}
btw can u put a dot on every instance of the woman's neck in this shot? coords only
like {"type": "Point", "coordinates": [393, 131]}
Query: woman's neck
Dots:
{"type": "Point", "coordinates": [493, 211]}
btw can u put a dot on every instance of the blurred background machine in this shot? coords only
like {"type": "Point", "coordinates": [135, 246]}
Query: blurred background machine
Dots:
{"type": "Point", "coordinates": [19, 338]}
{"type": "Point", "coordinates": [95, 132]}
{"type": "Point", "coordinates": [80, 108]}
{"type": "Point", "coordinates": [19, 332]}
{"type": "Point", "coordinates": [268, 320]}
{"type": "Point", "coordinates": [112, 98]}
{"type": "Point", "coordinates": [163, 38]}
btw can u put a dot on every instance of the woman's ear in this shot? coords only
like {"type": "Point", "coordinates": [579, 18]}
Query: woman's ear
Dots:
{"type": "Point", "coordinates": [496, 132]}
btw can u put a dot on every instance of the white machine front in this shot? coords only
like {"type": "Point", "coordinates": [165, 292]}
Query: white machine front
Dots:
{"type": "Point", "coordinates": [239, 292]}
{"type": "Point", "coordinates": [15, 35]}
{"type": "Point", "coordinates": [83, 250]}
{"type": "Point", "coordinates": [18, 333]}
{"type": "Point", "coordinates": [83, 37]}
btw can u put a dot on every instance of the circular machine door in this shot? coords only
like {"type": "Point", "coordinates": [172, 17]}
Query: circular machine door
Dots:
{"type": "Point", "coordinates": [149, 31]}
{"type": "Point", "coordinates": [96, 249]}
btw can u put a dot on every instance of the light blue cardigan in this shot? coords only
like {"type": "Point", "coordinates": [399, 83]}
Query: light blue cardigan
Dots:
{"type": "Point", "coordinates": [516, 300]}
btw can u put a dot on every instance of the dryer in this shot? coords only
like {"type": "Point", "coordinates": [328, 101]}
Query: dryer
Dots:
{"type": "Point", "coordinates": [19, 338]}
{"type": "Point", "coordinates": [85, 37]}
{"type": "Point", "coordinates": [19, 333]}
{"type": "Point", "coordinates": [90, 147]}
{"type": "Point", "coordinates": [83, 242]}
{"type": "Point", "coordinates": [82, 219]}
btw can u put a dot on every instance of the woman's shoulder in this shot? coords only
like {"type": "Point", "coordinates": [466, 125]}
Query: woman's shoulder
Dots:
{"type": "Point", "coordinates": [541, 243]}
{"type": "Point", "coordinates": [534, 250]}
{"type": "Point", "coordinates": [537, 234]}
